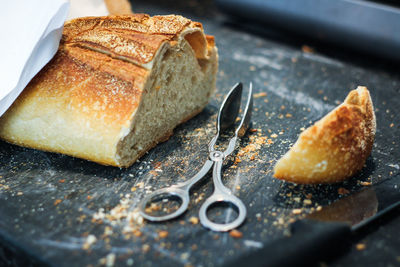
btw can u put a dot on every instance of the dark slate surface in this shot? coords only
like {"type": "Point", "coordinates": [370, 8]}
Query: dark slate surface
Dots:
{"type": "Point", "coordinates": [47, 201]}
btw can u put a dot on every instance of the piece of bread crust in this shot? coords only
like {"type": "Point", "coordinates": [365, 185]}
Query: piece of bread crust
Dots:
{"type": "Point", "coordinates": [117, 86]}
{"type": "Point", "coordinates": [335, 147]}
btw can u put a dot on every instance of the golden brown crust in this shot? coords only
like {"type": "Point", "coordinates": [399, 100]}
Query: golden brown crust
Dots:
{"type": "Point", "coordinates": [334, 148]}
{"type": "Point", "coordinates": [83, 102]}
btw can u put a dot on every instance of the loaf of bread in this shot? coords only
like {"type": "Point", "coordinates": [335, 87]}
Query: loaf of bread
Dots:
{"type": "Point", "coordinates": [117, 86]}
{"type": "Point", "coordinates": [335, 147]}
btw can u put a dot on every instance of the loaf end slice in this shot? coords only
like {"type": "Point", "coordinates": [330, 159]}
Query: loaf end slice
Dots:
{"type": "Point", "coordinates": [335, 147]}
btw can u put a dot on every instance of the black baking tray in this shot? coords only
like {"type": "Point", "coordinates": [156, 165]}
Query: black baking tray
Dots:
{"type": "Point", "coordinates": [47, 200]}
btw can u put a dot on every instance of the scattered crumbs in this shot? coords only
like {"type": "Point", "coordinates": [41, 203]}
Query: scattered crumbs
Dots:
{"type": "Point", "coordinates": [19, 193]}
{"type": "Point", "coordinates": [307, 49]}
{"type": "Point", "coordinates": [145, 248]}
{"type": "Point", "coordinates": [194, 220]}
{"type": "Point", "coordinates": [297, 199]}
{"type": "Point", "coordinates": [57, 201]}
{"type": "Point", "coordinates": [236, 233]}
{"type": "Point", "coordinates": [307, 201]}
{"type": "Point", "coordinates": [163, 234]}
{"type": "Point", "coordinates": [294, 59]}
{"type": "Point", "coordinates": [238, 187]}
{"type": "Point", "coordinates": [251, 150]}
{"type": "Point", "coordinates": [252, 68]}
{"type": "Point", "coordinates": [153, 172]}
{"type": "Point", "coordinates": [258, 95]}
{"type": "Point", "coordinates": [129, 262]}
{"type": "Point", "coordinates": [391, 125]}
{"type": "Point", "coordinates": [108, 231]}
{"type": "Point", "coordinates": [396, 166]}
{"type": "Point", "coordinates": [288, 115]}
{"type": "Point", "coordinates": [318, 208]}
{"type": "Point", "coordinates": [363, 183]}
{"type": "Point", "coordinates": [302, 129]}
{"type": "Point", "coordinates": [133, 189]}
{"type": "Point", "coordinates": [281, 221]}
{"type": "Point", "coordinates": [61, 181]}
{"type": "Point", "coordinates": [274, 135]}
{"type": "Point", "coordinates": [320, 92]}
{"type": "Point", "coordinates": [140, 185]}
{"type": "Point", "coordinates": [325, 98]}
{"type": "Point", "coordinates": [125, 214]}
{"type": "Point", "coordinates": [184, 256]}
{"type": "Point", "coordinates": [360, 246]}
{"type": "Point", "coordinates": [110, 260]}
{"type": "Point", "coordinates": [297, 211]}
{"type": "Point", "coordinates": [89, 197]}
{"type": "Point", "coordinates": [343, 191]}
{"type": "Point", "coordinates": [89, 241]}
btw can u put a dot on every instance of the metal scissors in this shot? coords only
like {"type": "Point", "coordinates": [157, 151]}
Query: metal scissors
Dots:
{"type": "Point", "coordinates": [227, 115]}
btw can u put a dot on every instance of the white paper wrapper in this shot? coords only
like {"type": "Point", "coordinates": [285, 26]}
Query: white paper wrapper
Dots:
{"type": "Point", "coordinates": [30, 34]}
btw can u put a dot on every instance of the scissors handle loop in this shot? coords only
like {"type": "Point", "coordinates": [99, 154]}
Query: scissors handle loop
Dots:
{"type": "Point", "coordinates": [179, 191]}
{"type": "Point", "coordinates": [221, 195]}
{"type": "Point", "coordinates": [165, 193]}
{"type": "Point", "coordinates": [216, 199]}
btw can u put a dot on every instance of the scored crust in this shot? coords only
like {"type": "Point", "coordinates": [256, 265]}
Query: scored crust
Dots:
{"type": "Point", "coordinates": [117, 86]}
{"type": "Point", "coordinates": [335, 147]}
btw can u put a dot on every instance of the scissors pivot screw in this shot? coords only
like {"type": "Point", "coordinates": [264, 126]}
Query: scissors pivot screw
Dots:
{"type": "Point", "coordinates": [216, 156]}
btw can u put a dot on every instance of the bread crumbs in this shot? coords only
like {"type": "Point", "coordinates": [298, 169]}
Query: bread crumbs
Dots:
{"type": "Point", "coordinates": [360, 246]}
{"type": "Point", "coordinates": [296, 211]}
{"type": "Point", "coordinates": [258, 95]}
{"type": "Point", "coordinates": [236, 234]}
{"type": "Point", "coordinates": [163, 234]}
{"type": "Point", "coordinates": [194, 220]}
{"type": "Point", "coordinates": [343, 191]}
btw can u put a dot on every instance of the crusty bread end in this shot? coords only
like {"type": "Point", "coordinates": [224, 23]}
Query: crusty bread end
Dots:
{"type": "Point", "coordinates": [335, 147]}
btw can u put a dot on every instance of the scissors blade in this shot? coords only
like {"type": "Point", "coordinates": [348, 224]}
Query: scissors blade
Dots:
{"type": "Point", "coordinates": [245, 122]}
{"type": "Point", "coordinates": [230, 108]}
